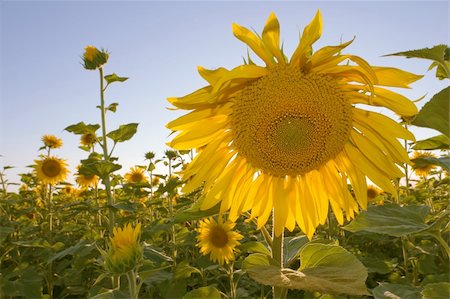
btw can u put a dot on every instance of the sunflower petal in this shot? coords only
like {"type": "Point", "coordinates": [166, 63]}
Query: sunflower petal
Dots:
{"type": "Point", "coordinates": [247, 72]}
{"type": "Point", "coordinates": [394, 77]}
{"type": "Point", "coordinates": [212, 76]}
{"type": "Point", "coordinates": [254, 42]}
{"type": "Point", "coordinates": [324, 54]}
{"type": "Point", "coordinates": [310, 35]}
{"type": "Point", "coordinates": [271, 38]}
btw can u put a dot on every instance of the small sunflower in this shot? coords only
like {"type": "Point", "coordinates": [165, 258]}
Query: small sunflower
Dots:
{"type": "Point", "coordinates": [218, 239]}
{"type": "Point", "coordinates": [52, 141]}
{"type": "Point", "coordinates": [88, 139]}
{"type": "Point", "coordinates": [136, 175]}
{"type": "Point", "coordinates": [86, 181]}
{"type": "Point", "coordinates": [125, 251]}
{"type": "Point", "coordinates": [422, 169]}
{"type": "Point", "coordinates": [51, 170]}
{"type": "Point", "coordinates": [287, 137]}
{"type": "Point", "coordinates": [372, 192]}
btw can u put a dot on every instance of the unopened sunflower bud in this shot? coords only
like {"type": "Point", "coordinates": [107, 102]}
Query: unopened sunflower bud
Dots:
{"type": "Point", "coordinates": [94, 58]}
{"type": "Point", "coordinates": [125, 252]}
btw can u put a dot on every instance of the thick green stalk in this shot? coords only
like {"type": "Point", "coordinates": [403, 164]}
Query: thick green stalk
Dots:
{"type": "Point", "coordinates": [104, 144]}
{"type": "Point", "coordinates": [277, 255]}
{"type": "Point", "coordinates": [134, 292]}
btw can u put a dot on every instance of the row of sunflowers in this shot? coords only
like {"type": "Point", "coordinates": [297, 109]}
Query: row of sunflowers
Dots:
{"type": "Point", "coordinates": [282, 183]}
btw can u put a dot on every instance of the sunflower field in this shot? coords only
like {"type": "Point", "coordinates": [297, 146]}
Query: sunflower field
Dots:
{"type": "Point", "coordinates": [280, 182]}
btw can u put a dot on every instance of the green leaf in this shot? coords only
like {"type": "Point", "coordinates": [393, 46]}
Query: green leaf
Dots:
{"type": "Point", "coordinates": [435, 113]}
{"type": "Point", "coordinates": [292, 247]}
{"type": "Point", "coordinates": [114, 78]}
{"type": "Point", "coordinates": [194, 213]}
{"type": "Point", "coordinates": [443, 162]}
{"type": "Point", "coordinates": [112, 107]}
{"type": "Point", "coordinates": [391, 220]}
{"type": "Point", "coordinates": [377, 265]}
{"type": "Point", "coordinates": [324, 268]}
{"type": "Point", "coordinates": [438, 54]}
{"type": "Point", "coordinates": [433, 143]}
{"type": "Point", "coordinates": [258, 259]}
{"type": "Point", "coordinates": [5, 231]}
{"type": "Point", "coordinates": [99, 168]}
{"type": "Point", "coordinates": [436, 290]}
{"type": "Point", "coordinates": [111, 294]}
{"type": "Point", "coordinates": [254, 246]}
{"type": "Point", "coordinates": [397, 291]}
{"type": "Point", "coordinates": [184, 270]}
{"type": "Point", "coordinates": [123, 133]}
{"type": "Point", "coordinates": [69, 251]}
{"type": "Point", "coordinates": [203, 293]}
{"type": "Point", "coordinates": [81, 128]}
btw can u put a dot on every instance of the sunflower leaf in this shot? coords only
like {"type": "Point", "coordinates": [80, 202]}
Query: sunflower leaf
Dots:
{"type": "Point", "coordinates": [203, 293]}
{"type": "Point", "coordinates": [443, 162]}
{"type": "Point", "coordinates": [433, 143]}
{"type": "Point", "coordinates": [81, 128]}
{"type": "Point", "coordinates": [194, 213]}
{"type": "Point", "coordinates": [114, 78]}
{"type": "Point", "coordinates": [123, 133]}
{"type": "Point", "coordinates": [391, 220]}
{"type": "Point", "coordinates": [439, 54]}
{"type": "Point", "coordinates": [328, 269]}
{"type": "Point", "coordinates": [436, 290]}
{"type": "Point", "coordinates": [399, 291]}
{"type": "Point", "coordinates": [435, 113]}
{"type": "Point", "coordinates": [112, 107]}
{"type": "Point", "coordinates": [100, 168]}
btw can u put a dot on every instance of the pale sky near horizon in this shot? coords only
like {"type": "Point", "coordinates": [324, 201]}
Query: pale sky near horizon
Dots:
{"type": "Point", "coordinates": [158, 45]}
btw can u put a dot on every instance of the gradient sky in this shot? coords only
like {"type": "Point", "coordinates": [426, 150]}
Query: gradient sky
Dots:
{"type": "Point", "coordinates": [158, 45]}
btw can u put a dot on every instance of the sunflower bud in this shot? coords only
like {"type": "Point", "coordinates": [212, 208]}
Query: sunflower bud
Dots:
{"type": "Point", "coordinates": [94, 58]}
{"type": "Point", "coordinates": [125, 251]}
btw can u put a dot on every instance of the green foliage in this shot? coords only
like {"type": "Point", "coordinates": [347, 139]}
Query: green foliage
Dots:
{"type": "Point", "coordinates": [114, 78]}
{"type": "Point", "coordinates": [123, 133]}
{"type": "Point", "coordinates": [81, 128]}
{"type": "Point", "coordinates": [433, 143]}
{"type": "Point", "coordinates": [203, 293]}
{"type": "Point", "coordinates": [435, 113]}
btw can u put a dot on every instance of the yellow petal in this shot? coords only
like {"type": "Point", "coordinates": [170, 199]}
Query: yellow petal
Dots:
{"type": "Point", "coordinates": [324, 54]}
{"type": "Point", "coordinates": [310, 35]}
{"type": "Point", "coordinates": [212, 76]}
{"type": "Point", "coordinates": [394, 77]}
{"type": "Point", "coordinates": [280, 205]}
{"type": "Point", "coordinates": [247, 71]}
{"type": "Point", "coordinates": [271, 38]}
{"type": "Point", "coordinates": [190, 119]}
{"type": "Point", "coordinates": [357, 179]}
{"type": "Point", "coordinates": [198, 99]}
{"type": "Point", "coordinates": [253, 41]}
{"type": "Point", "coordinates": [382, 124]}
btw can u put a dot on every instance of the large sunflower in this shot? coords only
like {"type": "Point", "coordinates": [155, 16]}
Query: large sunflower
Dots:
{"type": "Point", "coordinates": [51, 170]}
{"type": "Point", "coordinates": [289, 136]}
{"type": "Point", "coordinates": [218, 239]}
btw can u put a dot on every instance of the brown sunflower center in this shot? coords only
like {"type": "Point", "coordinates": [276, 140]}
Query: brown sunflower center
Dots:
{"type": "Point", "coordinates": [218, 237]}
{"type": "Point", "coordinates": [372, 193]}
{"type": "Point", "coordinates": [137, 177]}
{"type": "Point", "coordinates": [51, 168]}
{"type": "Point", "coordinates": [289, 123]}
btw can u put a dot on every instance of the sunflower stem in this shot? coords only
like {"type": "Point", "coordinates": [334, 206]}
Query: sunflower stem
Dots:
{"type": "Point", "coordinates": [107, 180]}
{"type": "Point", "coordinates": [131, 276]}
{"type": "Point", "coordinates": [277, 255]}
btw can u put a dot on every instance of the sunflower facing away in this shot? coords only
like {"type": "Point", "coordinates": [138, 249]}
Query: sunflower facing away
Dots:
{"type": "Point", "coordinates": [136, 175]}
{"type": "Point", "coordinates": [218, 239]}
{"type": "Point", "coordinates": [289, 135]}
{"type": "Point", "coordinates": [52, 141]}
{"type": "Point", "coordinates": [51, 170]}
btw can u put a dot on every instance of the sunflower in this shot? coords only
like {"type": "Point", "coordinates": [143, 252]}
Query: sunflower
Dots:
{"type": "Point", "coordinates": [86, 181]}
{"type": "Point", "coordinates": [125, 251]}
{"type": "Point", "coordinates": [136, 176]}
{"type": "Point", "coordinates": [51, 141]}
{"type": "Point", "coordinates": [288, 136]}
{"type": "Point", "coordinates": [51, 170]}
{"type": "Point", "coordinates": [88, 139]}
{"type": "Point", "coordinates": [422, 169]}
{"type": "Point", "coordinates": [372, 192]}
{"type": "Point", "coordinates": [218, 239]}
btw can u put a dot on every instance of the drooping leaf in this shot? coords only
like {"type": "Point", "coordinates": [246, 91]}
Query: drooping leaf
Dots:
{"type": "Point", "coordinates": [70, 251]}
{"type": "Point", "coordinates": [99, 168]}
{"type": "Point", "coordinates": [443, 162]}
{"type": "Point", "coordinates": [292, 247]}
{"type": "Point", "coordinates": [397, 291]}
{"type": "Point", "coordinates": [81, 128]}
{"type": "Point", "coordinates": [435, 113]}
{"type": "Point", "coordinates": [377, 265]}
{"type": "Point", "coordinates": [436, 290]}
{"type": "Point", "coordinates": [114, 78]}
{"type": "Point", "coordinates": [391, 220]}
{"type": "Point", "coordinates": [203, 293]}
{"type": "Point", "coordinates": [123, 133]}
{"type": "Point", "coordinates": [324, 268]}
{"type": "Point", "coordinates": [184, 270]}
{"type": "Point", "coordinates": [433, 143]}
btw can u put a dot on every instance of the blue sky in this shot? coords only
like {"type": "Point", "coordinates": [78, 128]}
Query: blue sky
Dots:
{"type": "Point", "coordinates": [159, 45]}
